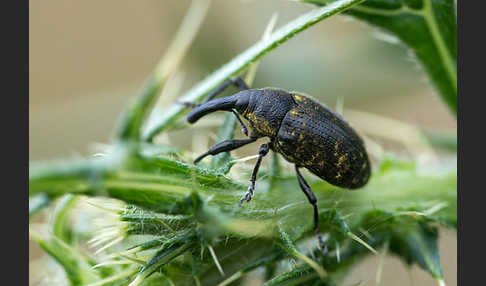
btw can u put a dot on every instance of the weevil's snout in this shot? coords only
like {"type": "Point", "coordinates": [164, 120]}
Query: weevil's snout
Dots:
{"type": "Point", "coordinates": [223, 104]}
{"type": "Point", "coordinates": [192, 117]}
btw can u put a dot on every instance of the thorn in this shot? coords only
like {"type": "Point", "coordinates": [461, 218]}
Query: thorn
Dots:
{"type": "Point", "coordinates": [220, 269]}
{"type": "Point", "coordinates": [379, 271]}
{"type": "Point", "coordinates": [338, 252]}
{"type": "Point", "coordinates": [362, 242]}
{"type": "Point", "coordinates": [109, 244]}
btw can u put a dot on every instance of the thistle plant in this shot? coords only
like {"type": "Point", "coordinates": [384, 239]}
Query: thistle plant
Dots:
{"type": "Point", "coordinates": [140, 213]}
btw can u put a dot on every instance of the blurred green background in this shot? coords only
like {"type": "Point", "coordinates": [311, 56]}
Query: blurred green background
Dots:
{"type": "Point", "coordinates": [88, 58]}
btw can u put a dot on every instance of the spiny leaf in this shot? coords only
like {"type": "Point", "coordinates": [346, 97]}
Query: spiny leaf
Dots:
{"type": "Point", "coordinates": [397, 188]}
{"type": "Point", "coordinates": [411, 238]}
{"type": "Point", "coordinates": [161, 258]}
{"type": "Point", "coordinates": [303, 275]}
{"type": "Point", "coordinates": [428, 27]}
{"type": "Point", "coordinates": [165, 185]}
{"type": "Point", "coordinates": [267, 258]}
{"type": "Point", "coordinates": [78, 268]}
{"type": "Point", "coordinates": [157, 183]}
{"type": "Point", "coordinates": [423, 248]}
{"type": "Point", "coordinates": [288, 245]}
{"type": "Point", "coordinates": [110, 279]}
{"type": "Point", "coordinates": [147, 222]}
{"type": "Point", "coordinates": [170, 249]}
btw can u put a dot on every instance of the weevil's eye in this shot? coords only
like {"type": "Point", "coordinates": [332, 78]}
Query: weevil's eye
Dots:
{"type": "Point", "coordinates": [243, 101]}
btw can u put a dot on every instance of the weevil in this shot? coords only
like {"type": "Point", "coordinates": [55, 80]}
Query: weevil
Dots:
{"type": "Point", "coordinates": [304, 131]}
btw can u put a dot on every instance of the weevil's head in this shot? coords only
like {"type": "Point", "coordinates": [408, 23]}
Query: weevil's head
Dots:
{"type": "Point", "coordinates": [264, 109]}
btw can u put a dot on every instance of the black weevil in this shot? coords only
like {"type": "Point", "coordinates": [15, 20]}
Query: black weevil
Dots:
{"type": "Point", "coordinates": [304, 131]}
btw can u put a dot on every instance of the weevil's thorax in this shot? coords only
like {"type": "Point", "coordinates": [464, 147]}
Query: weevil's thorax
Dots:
{"type": "Point", "coordinates": [266, 109]}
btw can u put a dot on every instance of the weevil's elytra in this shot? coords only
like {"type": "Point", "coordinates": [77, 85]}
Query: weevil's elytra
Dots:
{"type": "Point", "coordinates": [304, 131]}
{"type": "Point", "coordinates": [315, 137]}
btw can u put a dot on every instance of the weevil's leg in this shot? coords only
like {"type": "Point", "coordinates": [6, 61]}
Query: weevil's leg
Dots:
{"type": "Point", "coordinates": [189, 104]}
{"type": "Point", "coordinates": [312, 199]}
{"type": "Point", "coordinates": [225, 146]}
{"type": "Point", "coordinates": [236, 81]}
{"type": "Point", "coordinates": [264, 148]}
{"type": "Point", "coordinates": [210, 96]}
{"type": "Point", "coordinates": [243, 127]}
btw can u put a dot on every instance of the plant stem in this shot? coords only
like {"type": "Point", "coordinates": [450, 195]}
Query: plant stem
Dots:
{"type": "Point", "coordinates": [243, 60]}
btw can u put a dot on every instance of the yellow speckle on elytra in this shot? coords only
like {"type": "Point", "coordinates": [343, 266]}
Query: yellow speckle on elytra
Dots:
{"type": "Point", "coordinates": [294, 112]}
{"type": "Point", "coordinates": [338, 175]}
{"type": "Point", "coordinates": [298, 98]}
{"type": "Point", "coordinates": [341, 160]}
{"type": "Point", "coordinates": [363, 166]}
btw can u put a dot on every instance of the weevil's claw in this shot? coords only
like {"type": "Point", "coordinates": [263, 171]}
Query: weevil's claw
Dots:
{"type": "Point", "coordinates": [247, 196]}
{"type": "Point", "coordinates": [244, 130]}
{"type": "Point", "coordinates": [322, 245]}
{"type": "Point", "coordinates": [188, 104]}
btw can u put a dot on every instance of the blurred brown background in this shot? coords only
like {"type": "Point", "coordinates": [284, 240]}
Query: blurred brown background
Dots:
{"type": "Point", "coordinates": [88, 58]}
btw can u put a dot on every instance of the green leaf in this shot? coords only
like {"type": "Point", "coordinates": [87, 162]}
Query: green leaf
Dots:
{"type": "Point", "coordinates": [131, 120]}
{"type": "Point", "coordinates": [428, 27]}
{"type": "Point", "coordinates": [242, 61]}
{"type": "Point", "coordinates": [303, 275]}
{"type": "Point", "coordinates": [147, 222]}
{"type": "Point", "coordinates": [411, 238]}
{"type": "Point", "coordinates": [164, 256]}
{"type": "Point", "coordinates": [288, 245]}
{"type": "Point", "coordinates": [60, 226]}
{"type": "Point", "coordinates": [423, 248]}
{"type": "Point", "coordinates": [398, 192]}
{"type": "Point", "coordinates": [268, 258]}
{"type": "Point", "coordinates": [78, 268]}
